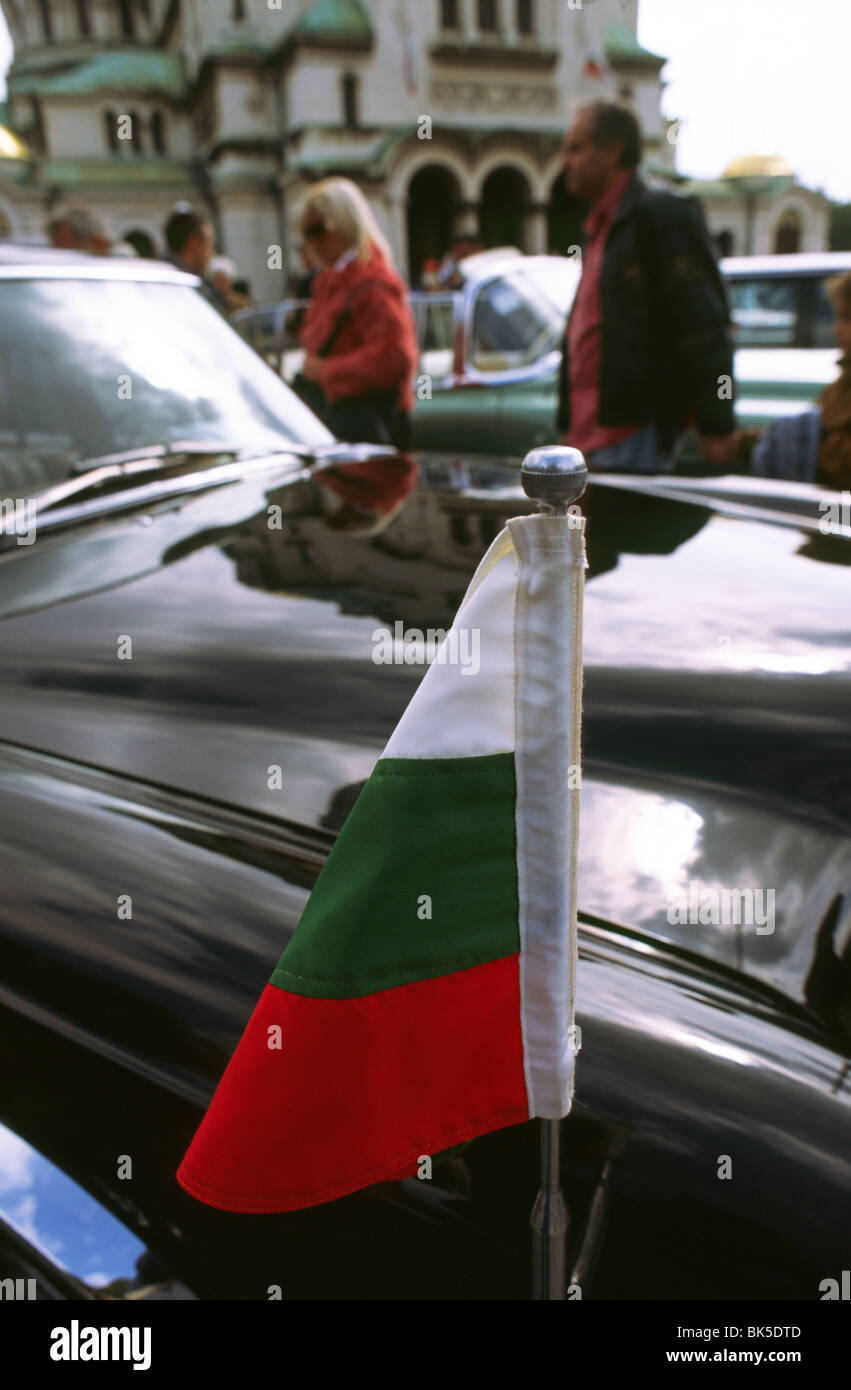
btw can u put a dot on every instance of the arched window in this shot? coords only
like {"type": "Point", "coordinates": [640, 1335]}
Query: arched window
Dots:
{"type": "Point", "coordinates": [504, 201]}
{"type": "Point", "coordinates": [525, 18]}
{"type": "Point", "coordinates": [487, 16]}
{"type": "Point", "coordinates": [350, 101]}
{"type": "Point", "coordinates": [46, 20]}
{"type": "Point", "coordinates": [84, 19]}
{"type": "Point", "coordinates": [449, 14]}
{"type": "Point", "coordinates": [158, 132]}
{"type": "Point", "coordinates": [111, 131]}
{"type": "Point", "coordinates": [433, 201]}
{"type": "Point", "coordinates": [127, 18]}
{"type": "Point", "coordinates": [787, 233]}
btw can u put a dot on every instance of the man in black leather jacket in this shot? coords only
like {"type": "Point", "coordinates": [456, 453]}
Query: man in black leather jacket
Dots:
{"type": "Point", "coordinates": [647, 349]}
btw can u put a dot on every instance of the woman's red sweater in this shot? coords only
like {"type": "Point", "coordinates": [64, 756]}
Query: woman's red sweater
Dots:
{"type": "Point", "coordinates": [376, 348]}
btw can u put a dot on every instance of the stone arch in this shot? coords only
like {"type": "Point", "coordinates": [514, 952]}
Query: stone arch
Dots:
{"type": "Point", "coordinates": [514, 154]}
{"type": "Point", "coordinates": [417, 154]}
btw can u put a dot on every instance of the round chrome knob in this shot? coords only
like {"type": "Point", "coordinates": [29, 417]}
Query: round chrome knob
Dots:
{"type": "Point", "coordinates": [554, 476]}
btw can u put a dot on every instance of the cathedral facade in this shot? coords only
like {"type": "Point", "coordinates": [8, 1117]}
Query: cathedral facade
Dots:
{"type": "Point", "coordinates": [449, 114]}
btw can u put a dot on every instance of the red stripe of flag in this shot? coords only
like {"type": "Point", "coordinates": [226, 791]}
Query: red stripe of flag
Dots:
{"type": "Point", "coordinates": [359, 1089]}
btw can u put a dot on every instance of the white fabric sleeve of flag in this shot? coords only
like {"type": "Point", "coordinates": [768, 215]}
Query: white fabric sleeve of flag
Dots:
{"type": "Point", "coordinates": [525, 603]}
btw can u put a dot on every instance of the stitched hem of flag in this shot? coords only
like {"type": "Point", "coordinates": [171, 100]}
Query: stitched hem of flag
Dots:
{"type": "Point", "coordinates": [357, 1085]}
{"type": "Point", "coordinates": [398, 1168]}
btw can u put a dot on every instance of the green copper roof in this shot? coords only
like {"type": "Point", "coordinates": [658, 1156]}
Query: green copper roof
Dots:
{"type": "Point", "coordinates": [731, 187]}
{"type": "Point", "coordinates": [709, 188]}
{"type": "Point", "coordinates": [119, 70]}
{"type": "Point", "coordinates": [621, 45]}
{"type": "Point", "coordinates": [121, 173]}
{"type": "Point", "coordinates": [334, 17]}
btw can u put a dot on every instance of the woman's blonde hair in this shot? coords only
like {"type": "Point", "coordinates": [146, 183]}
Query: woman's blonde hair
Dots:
{"type": "Point", "coordinates": [341, 207]}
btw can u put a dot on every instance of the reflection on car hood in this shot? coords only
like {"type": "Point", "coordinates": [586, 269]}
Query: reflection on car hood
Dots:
{"type": "Point", "coordinates": [717, 658]}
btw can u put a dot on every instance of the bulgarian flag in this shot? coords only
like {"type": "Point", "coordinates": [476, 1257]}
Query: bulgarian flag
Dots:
{"type": "Point", "coordinates": [427, 996]}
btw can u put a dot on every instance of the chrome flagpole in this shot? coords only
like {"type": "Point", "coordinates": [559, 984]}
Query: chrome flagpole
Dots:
{"type": "Point", "coordinates": [555, 478]}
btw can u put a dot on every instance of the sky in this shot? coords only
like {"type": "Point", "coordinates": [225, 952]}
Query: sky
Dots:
{"type": "Point", "coordinates": [744, 77]}
{"type": "Point", "coordinates": [756, 76]}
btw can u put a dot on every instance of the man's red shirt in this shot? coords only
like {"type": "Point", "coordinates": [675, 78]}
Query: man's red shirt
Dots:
{"type": "Point", "coordinates": [585, 331]}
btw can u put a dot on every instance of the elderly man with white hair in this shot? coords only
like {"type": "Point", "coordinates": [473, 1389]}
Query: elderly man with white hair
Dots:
{"type": "Point", "coordinates": [78, 229]}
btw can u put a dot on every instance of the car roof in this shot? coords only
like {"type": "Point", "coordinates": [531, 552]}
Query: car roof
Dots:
{"type": "Point", "coordinates": [490, 265]}
{"type": "Point", "coordinates": [20, 262]}
{"type": "Point", "coordinates": [802, 263]}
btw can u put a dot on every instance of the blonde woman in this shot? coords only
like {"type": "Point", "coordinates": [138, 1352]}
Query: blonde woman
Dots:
{"type": "Point", "coordinates": [358, 333]}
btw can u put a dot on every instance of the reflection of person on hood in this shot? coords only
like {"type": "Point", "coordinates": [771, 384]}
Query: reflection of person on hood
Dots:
{"type": "Point", "coordinates": [359, 336]}
{"type": "Point", "coordinates": [372, 493]}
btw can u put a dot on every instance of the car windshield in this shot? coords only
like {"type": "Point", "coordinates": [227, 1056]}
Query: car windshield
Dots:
{"type": "Point", "coordinates": [97, 367]}
{"type": "Point", "coordinates": [520, 317]}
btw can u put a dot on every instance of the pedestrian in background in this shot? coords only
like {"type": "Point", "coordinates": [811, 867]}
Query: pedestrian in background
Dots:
{"type": "Point", "coordinates": [358, 333]}
{"type": "Point", "coordinates": [191, 245]}
{"type": "Point", "coordinates": [647, 349]}
{"type": "Point", "coordinates": [449, 274]}
{"type": "Point", "coordinates": [78, 229]}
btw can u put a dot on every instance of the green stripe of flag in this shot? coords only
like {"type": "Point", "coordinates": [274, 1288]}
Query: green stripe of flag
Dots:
{"type": "Point", "coordinates": [441, 828]}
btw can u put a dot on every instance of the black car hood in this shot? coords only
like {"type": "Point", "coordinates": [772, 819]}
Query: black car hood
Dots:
{"type": "Point", "coordinates": [223, 644]}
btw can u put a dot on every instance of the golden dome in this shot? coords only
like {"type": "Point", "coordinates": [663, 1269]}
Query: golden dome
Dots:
{"type": "Point", "coordinates": [10, 146]}
{"type": "Point", "coordinates": [758, 166]}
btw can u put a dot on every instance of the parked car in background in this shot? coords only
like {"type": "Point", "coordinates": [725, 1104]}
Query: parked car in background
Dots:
{"type": "Point", "coordinates": [490, 352]}
{"type": "Point", "coordinates": [782, 319]}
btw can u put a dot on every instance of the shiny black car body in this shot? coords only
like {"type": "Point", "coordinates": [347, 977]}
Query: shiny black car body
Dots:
{"type": "Point", "coordinates": [164, 814]}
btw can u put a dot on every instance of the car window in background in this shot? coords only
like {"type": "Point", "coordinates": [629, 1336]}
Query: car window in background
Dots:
{"type": "Point", "coordinates": [764, 312]}
{"type": "Point", "coordinates": [434, 318]}
{"type": "Point", "coordinates": [96, 367]}
{"type": "Point", "coordinates": [555, 282]}
{"type": "Point", "coordinates": [259, 329]}
{"type": "Point", "coordinates": [517, 320]}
